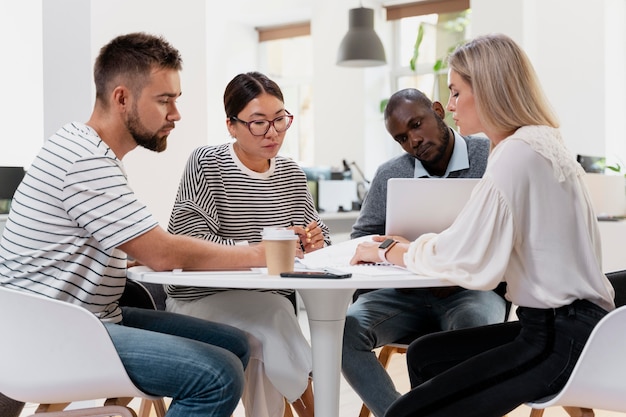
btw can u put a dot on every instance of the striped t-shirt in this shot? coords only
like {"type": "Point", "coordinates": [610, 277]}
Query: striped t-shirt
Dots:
{"type": "Point", "coordinates": [221, 200]}
{"type": "Point", "coordinates": [73, 208]}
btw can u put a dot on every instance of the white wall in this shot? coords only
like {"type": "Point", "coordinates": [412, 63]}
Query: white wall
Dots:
{"type": "Point", "coordinates": [155, 177]}
{"type": "Point", "coordinates": [21, 73]}
{"type": "Point", "coordinates": [67, 67]}
{"type": "Point", "coordinates": [577, 47]}
{"type": "Point", "coordinates": [614, 88]}
{"type": "Point", "coordinates": [347, 119]}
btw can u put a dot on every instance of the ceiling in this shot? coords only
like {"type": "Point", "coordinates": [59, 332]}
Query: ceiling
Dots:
{"type": "Point", "coordinates": [277, 12]}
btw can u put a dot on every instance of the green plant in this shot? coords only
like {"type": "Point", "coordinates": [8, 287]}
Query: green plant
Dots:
{"type": "Point", "coordinates": [458, 24]}
{"type": "Point", "coordinates": [616, 168]}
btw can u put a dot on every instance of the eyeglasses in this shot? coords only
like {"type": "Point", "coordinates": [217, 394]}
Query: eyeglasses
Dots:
{"type": "Point", "coordinates": [261, 126]}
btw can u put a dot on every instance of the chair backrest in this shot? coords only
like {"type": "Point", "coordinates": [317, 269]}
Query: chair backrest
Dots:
{"type": "Point", "coordinates": [157, 291]}
{"type": "Point", "coordinates": [598, 379]}
{"type": "Point", "coordinates": [57, 352]}
{"type": "Point", "coordinates": [137, 295]}
{"type": "Point", "coordinates": [618, 280]}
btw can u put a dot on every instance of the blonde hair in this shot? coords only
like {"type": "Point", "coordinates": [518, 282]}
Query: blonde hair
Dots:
{"type": "Point", "coordinates": [506, 90]}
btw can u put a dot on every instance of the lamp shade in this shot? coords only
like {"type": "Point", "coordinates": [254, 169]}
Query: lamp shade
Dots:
{"type": "Point", "coordinates": [361, 47]}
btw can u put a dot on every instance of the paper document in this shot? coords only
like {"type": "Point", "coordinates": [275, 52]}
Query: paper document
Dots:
{"type": "Point", "coordinates": [220, 271]}
{"type": "Point", "coordinates": [338, 256]}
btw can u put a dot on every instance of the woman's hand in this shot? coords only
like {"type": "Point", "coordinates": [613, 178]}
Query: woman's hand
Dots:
{"type": "Point", "coordinates": [311, 237]}
{"type": "Point", "coordinates": [366, 253]}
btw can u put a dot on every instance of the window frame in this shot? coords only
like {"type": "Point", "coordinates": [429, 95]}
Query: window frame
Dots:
{"type": "Point", "coordinates": [398, 70]}
{"type": "Point", "coordinates": [300, 136]}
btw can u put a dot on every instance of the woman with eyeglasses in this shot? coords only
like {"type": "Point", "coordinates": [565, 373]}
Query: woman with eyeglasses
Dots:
{"type": "Point", "coordinates": [227, 194]}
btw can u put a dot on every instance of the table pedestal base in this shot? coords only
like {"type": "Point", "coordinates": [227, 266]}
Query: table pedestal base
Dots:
{"type": "Point", "coordinates": [326, 312]}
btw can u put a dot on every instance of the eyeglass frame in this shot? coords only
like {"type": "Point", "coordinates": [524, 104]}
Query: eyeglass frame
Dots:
{"type": "Point", "coordinates": [271, 123]}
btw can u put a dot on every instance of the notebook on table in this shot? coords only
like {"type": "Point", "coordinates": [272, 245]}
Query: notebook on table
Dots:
{"type": "Point", "coordinates": [423, 205]}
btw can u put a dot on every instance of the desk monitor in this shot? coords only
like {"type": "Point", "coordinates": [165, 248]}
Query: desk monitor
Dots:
{"type": "Point", "coordinates": [422, 205]}
{"type": "Point", "coordinates": [594, 164]}
{"type": "Point", "coordinates": [10, 178]}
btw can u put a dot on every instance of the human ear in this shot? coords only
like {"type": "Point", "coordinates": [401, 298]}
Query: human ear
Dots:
{"type": "Point", "coordinates": [231, 127]}
{"type": "Point", "coordinates": [438, 109]}
{"type": "Point", "coordinates": [120, 96]}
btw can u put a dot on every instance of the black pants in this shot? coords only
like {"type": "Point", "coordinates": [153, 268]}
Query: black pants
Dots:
{"type": "Point", "coordinates": [491, 370]}
{"type": "Point", "coordinates": [9, 407]}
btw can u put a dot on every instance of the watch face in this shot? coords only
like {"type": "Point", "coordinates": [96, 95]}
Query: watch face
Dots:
{"type": "Point", "coordinates": [386, 243]}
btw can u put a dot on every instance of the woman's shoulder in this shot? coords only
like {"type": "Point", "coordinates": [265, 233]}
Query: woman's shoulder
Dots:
{"type": "Point", "coordinates": [287, 163]}
{"type": "Point", "coordinates": [211, 151]}
{"type": "Point", "coordinates": [513, 153]}
{"type": "Point", "coordinates": [285, 160]}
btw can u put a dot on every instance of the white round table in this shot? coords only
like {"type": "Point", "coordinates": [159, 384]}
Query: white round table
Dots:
{"type": "Point", "coordinates": [325, 300]}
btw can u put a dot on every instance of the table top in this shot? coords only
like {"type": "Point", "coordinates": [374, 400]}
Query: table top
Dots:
{"type": "Point", "coordinates": [257, 279]}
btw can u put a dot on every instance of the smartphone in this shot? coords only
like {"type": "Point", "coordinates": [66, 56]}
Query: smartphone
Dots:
{"type": "Point", "coordinates": [327, 274]}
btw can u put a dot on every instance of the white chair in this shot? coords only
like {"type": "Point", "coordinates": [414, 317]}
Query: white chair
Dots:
{"type": "Point", "coordinates": [598, 379]}
{"type": "Point", "coordinates": [59, 353]}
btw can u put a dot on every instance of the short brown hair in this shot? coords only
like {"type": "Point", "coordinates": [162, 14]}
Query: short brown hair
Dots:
{"type": "Point", "coordinates": [131, 58]}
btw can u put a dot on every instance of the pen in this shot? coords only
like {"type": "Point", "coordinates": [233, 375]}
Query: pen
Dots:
{"type": "Point", "coordinates": [300, 240]}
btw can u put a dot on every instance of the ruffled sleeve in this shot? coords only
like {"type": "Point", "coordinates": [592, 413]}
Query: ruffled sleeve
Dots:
{"type": "Point", "coordinates": [475, 250]}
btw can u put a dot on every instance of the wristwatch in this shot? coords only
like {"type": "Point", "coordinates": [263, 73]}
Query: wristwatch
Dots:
{"type": "Point", "coordinates": [384, 247]}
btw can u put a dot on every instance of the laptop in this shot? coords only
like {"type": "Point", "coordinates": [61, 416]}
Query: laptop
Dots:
{"type": "Point", "coordinates": [422, 205]}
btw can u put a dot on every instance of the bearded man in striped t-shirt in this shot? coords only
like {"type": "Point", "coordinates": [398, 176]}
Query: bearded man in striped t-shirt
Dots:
{"type": "Point", "coordinates": [74, 219]}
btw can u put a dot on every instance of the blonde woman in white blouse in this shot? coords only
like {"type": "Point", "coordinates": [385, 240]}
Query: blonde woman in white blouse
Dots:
{"type": "Point", "coordinates": [530, 223]}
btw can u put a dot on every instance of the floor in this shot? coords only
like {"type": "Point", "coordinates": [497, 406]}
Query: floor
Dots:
{"type": "Point", "coordinates": [350, 404]}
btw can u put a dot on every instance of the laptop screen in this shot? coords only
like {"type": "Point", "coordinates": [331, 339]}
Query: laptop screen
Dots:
{"type": "Point", "coordinates": [423, 205]}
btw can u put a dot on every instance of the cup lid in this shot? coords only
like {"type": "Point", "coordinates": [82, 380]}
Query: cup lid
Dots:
{"type": "Point", "coordinates": [278, 233]}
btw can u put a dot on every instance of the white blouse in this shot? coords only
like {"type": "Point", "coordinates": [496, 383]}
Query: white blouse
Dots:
{"type": "Point", "coordinates": [529, 222]}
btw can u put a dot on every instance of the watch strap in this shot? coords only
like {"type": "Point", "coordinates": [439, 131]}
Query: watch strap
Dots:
{"type": "Point", "coordinates": [382, 252]}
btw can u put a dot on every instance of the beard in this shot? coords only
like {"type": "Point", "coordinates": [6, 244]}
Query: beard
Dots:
{"type": "Point", "coordinates": [445, 140]}
{"type": "Point", "coordinates": [141, 135]}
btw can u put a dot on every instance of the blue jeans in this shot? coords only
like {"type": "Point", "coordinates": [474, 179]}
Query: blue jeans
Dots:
{"type": "Point", "coordinates": [388, 315]}
{"type": "Point", "coordinates": [196, 363]}
{"type": "Point", "coordinates": [488, 371]}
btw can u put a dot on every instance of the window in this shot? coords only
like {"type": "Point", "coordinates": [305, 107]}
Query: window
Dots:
{"type": "Point", "coordinates": [285, 55]}
{"type": "Point", "coordinates": [444, 25]}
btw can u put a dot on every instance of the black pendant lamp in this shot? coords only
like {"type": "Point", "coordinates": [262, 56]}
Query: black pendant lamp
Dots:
{"type": "Point", "coordinates": [361, 47]}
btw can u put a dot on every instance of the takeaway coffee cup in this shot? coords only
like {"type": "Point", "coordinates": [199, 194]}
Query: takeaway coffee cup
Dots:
{"type": "Point", "coordinates": [280, 249]}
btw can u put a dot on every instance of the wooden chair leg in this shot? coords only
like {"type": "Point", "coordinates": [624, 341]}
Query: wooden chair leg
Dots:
{"type": "Point", "coordinates": [571, 411]}
{"type": "Point", "coordinates": [49, 408]}
{"type": "Point", "coordinates": [288, 411]}
{"type": "Point", "coordinates": [365, 412]}
{"type": "Point", "coordinates": [303, 406]}
{"type": "Point", "coordinates": [146, 407]}
{"type": "Point", "coordinates": [387, 352]}
{"type": "Point", "coordinates": [159, 407]}
{"type": "Point", "coordinates": [104, 411]}
{"type": "Point", "coordinates": [579, 412]}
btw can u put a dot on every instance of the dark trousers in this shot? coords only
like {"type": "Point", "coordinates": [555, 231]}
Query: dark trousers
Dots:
{"type": "Point", "coordinates": [490, 370]}
{"type": "Point", "coordinates": [10, 407]}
